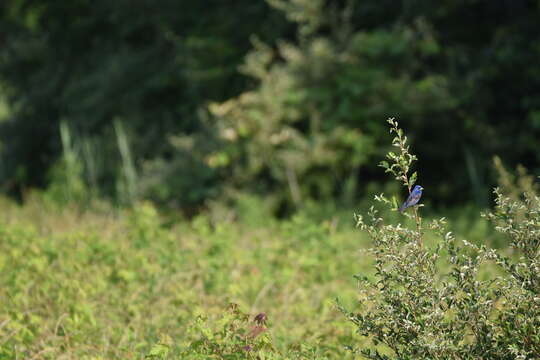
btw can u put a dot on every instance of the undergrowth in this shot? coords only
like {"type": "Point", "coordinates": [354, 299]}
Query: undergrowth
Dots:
{"type": "Point", "coordinates": [114, 284]}
{"type": "Point", "coordinates": [104, 283]}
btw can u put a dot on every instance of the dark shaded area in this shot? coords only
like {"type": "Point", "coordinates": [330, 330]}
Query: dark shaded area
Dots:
{"type": "Point", "coordinates": [462, 77]}
{"type": "Point", "coordinates": [89, 62]}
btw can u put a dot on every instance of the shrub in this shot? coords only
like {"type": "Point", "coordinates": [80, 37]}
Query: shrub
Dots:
{"type": "Point", "coordinates": [235, 336]}
{"type": "Point", "coordinates": [437, 301]}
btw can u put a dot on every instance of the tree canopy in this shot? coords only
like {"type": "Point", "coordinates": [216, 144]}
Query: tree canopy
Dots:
{"type": "Point", "coordinates": [285, 98]}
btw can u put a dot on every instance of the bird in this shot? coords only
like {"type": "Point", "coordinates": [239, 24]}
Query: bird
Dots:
{"type": "Point", "coordinates": [413, 198]}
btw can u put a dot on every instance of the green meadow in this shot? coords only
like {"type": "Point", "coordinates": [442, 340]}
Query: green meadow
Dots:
{"type": "Point", "coordinates": [104, 283]}
{"type": "Point", "coordinates": [109, 284]}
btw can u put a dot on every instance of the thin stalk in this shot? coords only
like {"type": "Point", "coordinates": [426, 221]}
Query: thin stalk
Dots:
{"type": "Point", "coordinates": [128, 165]}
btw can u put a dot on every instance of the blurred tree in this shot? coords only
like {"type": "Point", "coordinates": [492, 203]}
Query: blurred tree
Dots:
{"type": "Point", "coordinates": [317, 118]}
{"type": "Point", "coordinates": [304, 118]}
{"type": "Point", "coordinates": [89, 62]}
{"type": "Point", "coordinates": [487, 53]}
{"type": "Point", "coordinates": [460, 75]}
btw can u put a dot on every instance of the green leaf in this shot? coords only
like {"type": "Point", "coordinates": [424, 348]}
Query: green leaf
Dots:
{"type": "Point", "coordinates": [412, 179]}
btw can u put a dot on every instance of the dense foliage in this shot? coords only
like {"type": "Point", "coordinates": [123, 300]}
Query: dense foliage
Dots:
{"type": "Point", "coordinates": [318, 113]}
{"type": "Point", "coordinates": [303, 117]}
{"type": "Point", "coordinates": [436, 300]}
{"type": "Point", "coordinates": [91, 63]}
{"type": "Point", "coordinates": [274, 107]}
{"type": "Point", "coordinates": [104, 284]}
{"type": "Point", "coordinates": [115, 283]}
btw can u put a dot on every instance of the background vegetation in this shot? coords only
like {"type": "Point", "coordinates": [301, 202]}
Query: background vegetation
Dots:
{"type": "Point", "coordinates": [285, 99]}
{"type": "Point", "coordinates": [178, 178]}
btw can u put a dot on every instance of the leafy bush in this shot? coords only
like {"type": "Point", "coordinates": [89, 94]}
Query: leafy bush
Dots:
{"type": "Point", "coordinates": [234, 336]}
{"type": "Point", "coordinates": [436, 300]}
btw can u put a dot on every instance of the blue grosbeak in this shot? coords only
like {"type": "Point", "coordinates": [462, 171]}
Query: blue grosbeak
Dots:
{"type": "Point", "coordinates": [413, 198]}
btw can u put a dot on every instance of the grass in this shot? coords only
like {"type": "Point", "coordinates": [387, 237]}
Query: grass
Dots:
{"type": "Point", "coordinates": [108, 284]}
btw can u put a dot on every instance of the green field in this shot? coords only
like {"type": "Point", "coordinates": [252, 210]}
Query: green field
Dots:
{"type": "Point", "coordinates": [108, 284]}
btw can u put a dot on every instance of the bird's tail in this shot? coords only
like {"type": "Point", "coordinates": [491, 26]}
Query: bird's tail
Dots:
{"type": "Point", "coordinates": [402, 207]}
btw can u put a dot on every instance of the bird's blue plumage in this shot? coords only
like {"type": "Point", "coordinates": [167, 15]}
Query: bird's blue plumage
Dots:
{"type": "Point", "coordinates": [413, 198]}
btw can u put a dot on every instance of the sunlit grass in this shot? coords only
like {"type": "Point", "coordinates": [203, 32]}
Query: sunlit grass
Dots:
{"type": "Point", "coordinates": [109, 283]}
{"type": "Point", "coordinates": [76, 285]}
